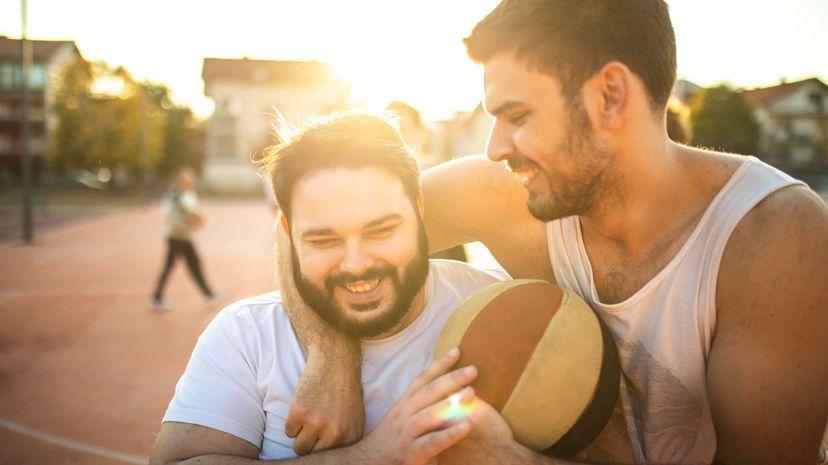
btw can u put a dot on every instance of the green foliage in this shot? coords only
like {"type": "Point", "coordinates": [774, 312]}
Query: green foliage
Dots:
{"type": "Point", "coordinates": [722, 120]}
{"type": "Point", "coordinates": [104, 118]}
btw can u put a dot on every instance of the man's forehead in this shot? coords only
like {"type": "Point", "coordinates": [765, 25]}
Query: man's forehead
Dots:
{"type": "Point", "coordinates": [348, 197]}
{"type": "Point", "coordinates": [509, 81]}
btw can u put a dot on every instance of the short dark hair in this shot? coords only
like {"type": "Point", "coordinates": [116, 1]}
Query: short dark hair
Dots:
{"type": "Point", "coordinates": [573, 39]}
{"type": "Point", "coordinates": [352, 139]}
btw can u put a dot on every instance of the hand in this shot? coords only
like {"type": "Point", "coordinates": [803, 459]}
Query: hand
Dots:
{"type": "Point", "coordinates": [195, 221]}
{"type": "Point", "coordinates": [490, 442]}
{"type": "Point", "coordinates": [413, 431]}
{"type": "Point", "coordinates": [325, 413]}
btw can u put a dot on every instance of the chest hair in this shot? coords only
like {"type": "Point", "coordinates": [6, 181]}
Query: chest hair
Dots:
{"type": "Point", "coordinates": [618, 274]}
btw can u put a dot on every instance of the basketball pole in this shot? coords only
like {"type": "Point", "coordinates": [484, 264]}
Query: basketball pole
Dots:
{"type": "Point", "coordinates": [26, 62]}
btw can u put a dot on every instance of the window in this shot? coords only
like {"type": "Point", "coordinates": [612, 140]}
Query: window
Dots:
{"type": "Point", "coordinates": [11, 76]}
{"type": "Point", "coordinates": [37, 76]}
{"type": "Point", "coordinates": [818, 102]}
{"type": "Point", "coordinates": [7, 75]}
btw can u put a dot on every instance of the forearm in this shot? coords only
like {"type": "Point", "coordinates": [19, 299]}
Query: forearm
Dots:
{"type": "Point", "coordinates": [327, 409]}
{"type": "Point", "coordinates": [513, 455]}
{"type": "Point", "coordinates": [342, 456]}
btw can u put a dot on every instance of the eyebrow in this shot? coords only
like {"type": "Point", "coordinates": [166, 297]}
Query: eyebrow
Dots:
{"type": "Point", "coordinates": [504, 107]}
{"type": "Point", "coordinates": [370, 224]}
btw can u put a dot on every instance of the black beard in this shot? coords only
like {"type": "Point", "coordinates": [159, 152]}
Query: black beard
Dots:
{"type": "Point", "coordinates": [322, 301]}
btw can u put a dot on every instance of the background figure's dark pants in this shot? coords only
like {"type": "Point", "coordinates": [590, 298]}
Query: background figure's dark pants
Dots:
{"type": "Point", "coordinates": [176, 248]}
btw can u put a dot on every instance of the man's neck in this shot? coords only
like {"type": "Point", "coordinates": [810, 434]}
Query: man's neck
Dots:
{"type": "Point", "coordinates": [651, 196]}
{"type": "Point", "coordinates": [629, 243]}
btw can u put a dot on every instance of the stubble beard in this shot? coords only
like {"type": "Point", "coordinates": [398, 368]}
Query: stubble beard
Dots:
{"type": "Point", "coordinates": [324, 303]}
{"type": "Point", "coordinates": [578, 194]}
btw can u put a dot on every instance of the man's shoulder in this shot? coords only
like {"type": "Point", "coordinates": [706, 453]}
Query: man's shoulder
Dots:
{"type": "Point", "coordinates": [785, 233]}
{"type": "Point", "coordinates": [782, 220]}
{"type": "Point", "coordinates": [260, 310]}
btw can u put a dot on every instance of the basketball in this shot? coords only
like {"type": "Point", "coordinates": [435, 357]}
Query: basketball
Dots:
{"type": "Point", "coordinates": [545, 361]}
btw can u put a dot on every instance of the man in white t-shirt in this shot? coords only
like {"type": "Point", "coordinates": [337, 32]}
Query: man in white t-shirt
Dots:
{"type": "Point", "coordinates": [352, 207]}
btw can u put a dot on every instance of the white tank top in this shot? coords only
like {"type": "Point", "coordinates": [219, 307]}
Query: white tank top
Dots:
{"type": "Point", "coordinates": [664, 330]}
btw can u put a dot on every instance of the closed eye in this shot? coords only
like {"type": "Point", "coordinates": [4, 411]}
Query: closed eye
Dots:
{"type": "Point", "coordinates": [323, 242]}
{"type": "Point", "coordinates": [382, 232]}
{"type": "Point", "coordinates": [518, 119]}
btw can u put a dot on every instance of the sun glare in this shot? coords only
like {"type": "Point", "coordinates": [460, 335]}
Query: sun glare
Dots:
{"type": "Point", "coordinates": [436, 84]}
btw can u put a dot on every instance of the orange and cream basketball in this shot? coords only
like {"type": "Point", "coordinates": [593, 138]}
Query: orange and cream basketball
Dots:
{"type": "Point", "coordinates": [545, 362]}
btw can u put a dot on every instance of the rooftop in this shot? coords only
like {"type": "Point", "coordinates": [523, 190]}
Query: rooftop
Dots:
{"type": "Point", "coordinates": [42, 50]}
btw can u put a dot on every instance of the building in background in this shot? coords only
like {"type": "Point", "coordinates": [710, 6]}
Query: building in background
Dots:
{"type": "Point", "coordinates": [793, 117]}
{"type": "Point", "coordinates": [49, 57]}
{"type": "Point", "coordinates": [247, 94]}
{"type": "Point", "coordinates": [467, 133]}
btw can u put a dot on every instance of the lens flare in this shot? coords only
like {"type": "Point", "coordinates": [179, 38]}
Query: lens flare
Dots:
{"type": "Point", "coordinates": [456, 410]}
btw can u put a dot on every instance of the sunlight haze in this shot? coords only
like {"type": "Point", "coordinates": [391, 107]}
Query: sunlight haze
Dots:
{"type": "Point", "coordinates": [399, 50]}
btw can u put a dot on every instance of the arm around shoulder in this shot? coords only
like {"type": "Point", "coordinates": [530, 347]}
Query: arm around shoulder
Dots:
{"type": "Point", "coordinates": [473, 199]}
{"type": "Point", "coordinates": [768, 365]}
{"type": "Point", "coordinates": [327, 408]}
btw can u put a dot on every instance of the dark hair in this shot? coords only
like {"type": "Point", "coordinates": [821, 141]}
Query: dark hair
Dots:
{"type": "Point", "coordinates": [352, 139]}
{"type": "Point", "coordinates": [573, 39]}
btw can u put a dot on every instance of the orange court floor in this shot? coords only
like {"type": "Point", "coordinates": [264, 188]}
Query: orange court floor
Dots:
{"type": "Point", "coordinates": [87, 368]}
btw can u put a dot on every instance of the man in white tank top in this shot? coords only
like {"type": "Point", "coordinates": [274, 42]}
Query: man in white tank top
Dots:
{"type": "Point", "coordinates": [710, 269]}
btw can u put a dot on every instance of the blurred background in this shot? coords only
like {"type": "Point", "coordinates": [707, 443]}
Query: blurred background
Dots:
{"type": "Point", "coordinates": [123, 94]}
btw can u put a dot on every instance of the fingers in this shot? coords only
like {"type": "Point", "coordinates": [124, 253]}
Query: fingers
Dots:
{"type": "Point", "coordinates": [435, 369]}
{"type": "Point", "coordinates": [334, 436]}
{"type": "Point", "coordinates": [448, 412]}
{"type": "Point", "coordinates": [432, 444]}
{"type": "Point", "coordinates": [296, 416]}
{"type": "Point", "coordinates": [441, 388]}
{"type": "Point", "coordinates": [305, 441]}
{"type": "Point", "coordinates": [302, 429]}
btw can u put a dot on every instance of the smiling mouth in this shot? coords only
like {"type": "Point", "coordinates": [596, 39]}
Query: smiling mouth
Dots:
{"type": "Point", "coordinates": [524, 172]}
{"type": "Point", "coordinates": [362, 287]}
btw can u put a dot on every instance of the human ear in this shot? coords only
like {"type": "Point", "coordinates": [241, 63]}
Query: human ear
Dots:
{"type": "Point", "coordinates": [613, 85]}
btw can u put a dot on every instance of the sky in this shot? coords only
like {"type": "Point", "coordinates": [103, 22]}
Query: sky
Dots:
{"type": "Point", "coordinates": [401, 49]}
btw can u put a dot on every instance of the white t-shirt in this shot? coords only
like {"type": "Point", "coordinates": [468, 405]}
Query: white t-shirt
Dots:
{"type": "Point", "coordinates": [177, 207]}
{"type": "Point", "coordinates": [245, 366]}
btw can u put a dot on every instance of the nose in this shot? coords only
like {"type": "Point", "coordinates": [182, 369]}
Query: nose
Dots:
{"type": "Point", "coordinates": [355, 259]}
{"type": "Point", "coordinates": [499, 146]}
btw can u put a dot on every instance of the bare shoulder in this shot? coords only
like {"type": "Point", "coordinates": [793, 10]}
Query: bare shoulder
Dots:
{"type": "Point", "coordinates": [182, 441]}
{"type": "Point", "coordinates": [473, 199]}
{"type": "Point", "coordinates": [769, 357]}
{"type": "Point", "coordinates": [792, 220]}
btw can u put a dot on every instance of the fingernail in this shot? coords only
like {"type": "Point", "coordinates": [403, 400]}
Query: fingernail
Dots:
{"type": "Point", "coordinates": [453, 352]}
{"type": "Point", "coordinates": [469, 370]}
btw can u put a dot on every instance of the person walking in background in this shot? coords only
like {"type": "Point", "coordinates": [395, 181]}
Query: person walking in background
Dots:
{"type": "Point", "coordinates": [180, 207]}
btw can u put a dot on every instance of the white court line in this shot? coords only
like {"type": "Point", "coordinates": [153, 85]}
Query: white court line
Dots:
{"type": "Point", "coordinates": [70, 444]}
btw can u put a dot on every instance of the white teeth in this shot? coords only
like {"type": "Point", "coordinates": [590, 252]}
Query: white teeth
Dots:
{"type": "Point", "coordinates": [525, 175]}
{"type": "Point", "coordinates": [362, 286]}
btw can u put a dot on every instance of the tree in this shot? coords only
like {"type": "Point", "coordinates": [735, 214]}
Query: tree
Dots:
{"type": "Point", "coordinates": [106, 119]}
{"type": "Point", "coordinates": [723, 120]}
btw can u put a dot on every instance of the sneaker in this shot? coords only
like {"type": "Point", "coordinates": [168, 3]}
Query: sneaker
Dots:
{"type": "Point", "coordinates": [160, 305]}
{"type": "Point", "coordinates": [216, 297]}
